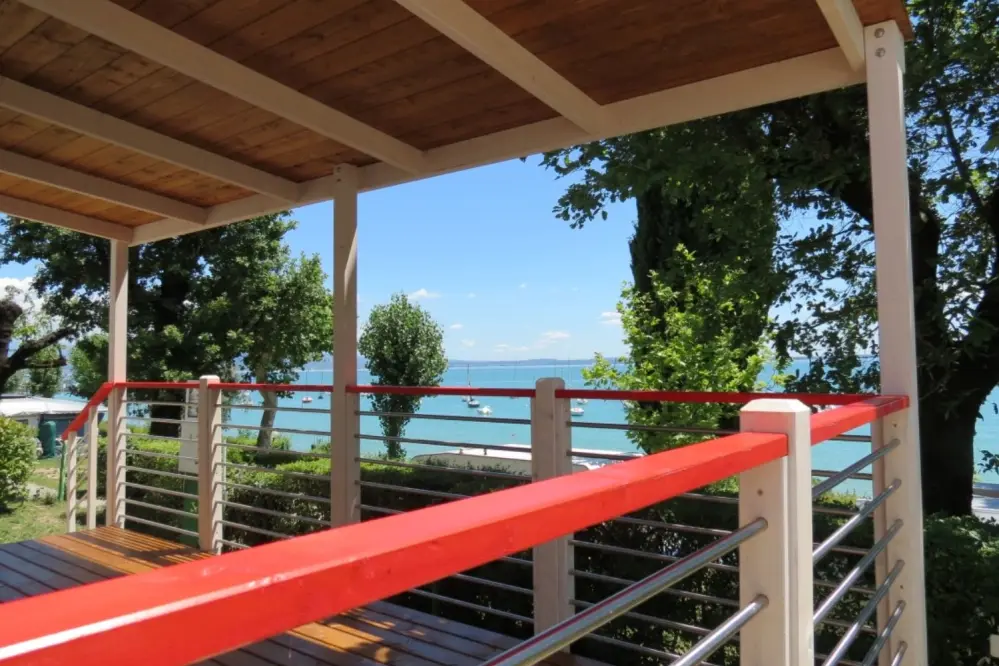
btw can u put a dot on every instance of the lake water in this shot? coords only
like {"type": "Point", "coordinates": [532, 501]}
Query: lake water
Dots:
{"type": "Point", "coordinates": [831, 455]}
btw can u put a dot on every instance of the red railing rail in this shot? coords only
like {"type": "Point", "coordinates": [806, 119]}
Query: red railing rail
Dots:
{"type": "Point", "coordinates": [97, 398]}
{"type": "Point", "coordinates": [835, 422]}
{"type": "Point", "coordinates": [196, 610]}
{"type": "Point", "coordinates": [810, 399]}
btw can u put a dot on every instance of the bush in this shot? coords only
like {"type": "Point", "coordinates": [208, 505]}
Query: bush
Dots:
{"type": "Point", "coordinates": [18, 451]}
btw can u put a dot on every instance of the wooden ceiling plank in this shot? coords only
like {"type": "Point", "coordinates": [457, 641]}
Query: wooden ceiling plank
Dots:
{"type": "Point", "coordinates": [846, 27]}
{"type": "Point", "coordinates": [30, 101]}
{"type": "Point", "coordinates": [65, 219]}
{"type": "Point", "coordinates": [92, 186]}
{"type": "Point", "coordinates": [120, 26]}
{"type": "Point", "coordinates": [478, 36]}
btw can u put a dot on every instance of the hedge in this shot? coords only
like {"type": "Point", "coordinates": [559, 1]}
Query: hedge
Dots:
{"type": "Point", "coordinates": [962, 556]}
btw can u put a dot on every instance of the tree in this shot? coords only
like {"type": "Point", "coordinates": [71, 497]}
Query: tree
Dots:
{"type": "Point", "coordinates": [814, 152]}
{"type": "Point", "coordinates": [186, 294]}
{"type": "Point", "coordinates": [707, 219]}
{"type": "Point", "coordinates": [675, 345]}
{"type": "Point", "coordinates": [403, 346]}
{"type": "Point", "coordinates": [37, 351]}
{"type": "Point", "coordinates": [290, 324]}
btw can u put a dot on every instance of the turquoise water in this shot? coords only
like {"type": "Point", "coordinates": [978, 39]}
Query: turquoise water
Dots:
{"type": "Point", "coordinates": [831, 455]}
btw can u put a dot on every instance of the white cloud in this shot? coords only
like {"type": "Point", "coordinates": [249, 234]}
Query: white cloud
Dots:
{"type": "Point", "coordinates": [471, 295]}
{"type": "Point", "coordinates": [468, 343]}
{"type": "Point", "coordinates": [503, 347]}
{"type": "Point", "coordinates": [17, 288]}
{"type": "Point", "coordinates": [456, 327]}
{"type": "Point", "coordinates": [523, 285]}
{"type": "Point", "coordinates": [610, 318]}
{"type": "Point", "coordinates": [423, 294]}
{"type": "Point", "coordinates": [554, 335]}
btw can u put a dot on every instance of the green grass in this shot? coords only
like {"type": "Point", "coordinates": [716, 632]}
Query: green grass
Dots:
{"type": "Point", "coordinates": [32, 519]}
{"type": "Point", "coordinates": [46, 473]}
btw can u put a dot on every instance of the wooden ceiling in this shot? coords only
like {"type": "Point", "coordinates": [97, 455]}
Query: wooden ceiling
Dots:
{"type": "Point", "coordinates": [409, 90]}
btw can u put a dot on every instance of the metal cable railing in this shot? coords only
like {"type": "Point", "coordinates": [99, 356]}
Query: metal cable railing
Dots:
{"type": "Point", "coordinates": [562, 635]}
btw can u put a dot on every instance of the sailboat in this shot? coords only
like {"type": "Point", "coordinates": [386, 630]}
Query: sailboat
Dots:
{"type": "Point", "coordinates": [468, 378]}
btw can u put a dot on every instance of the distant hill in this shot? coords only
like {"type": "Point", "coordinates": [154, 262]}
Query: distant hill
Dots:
{"type": "Point", "coordinates": [327, 362]}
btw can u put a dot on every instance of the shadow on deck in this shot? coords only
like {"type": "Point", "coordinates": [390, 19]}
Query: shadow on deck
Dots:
{"type": "Point", "coordinates": [378, 634]}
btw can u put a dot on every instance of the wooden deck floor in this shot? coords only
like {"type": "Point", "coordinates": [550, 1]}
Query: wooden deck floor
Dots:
{"type": "Point", "coordinates": [379, 634]}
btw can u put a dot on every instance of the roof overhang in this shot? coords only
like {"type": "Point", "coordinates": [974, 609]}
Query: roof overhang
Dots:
{"type": "Point", "coordinates": [141, 120]}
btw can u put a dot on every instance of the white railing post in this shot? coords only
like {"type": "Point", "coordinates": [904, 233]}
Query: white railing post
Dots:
{"type": "Point", "coordinates": [885, 68]}
{"type": "Point", "coordinates": [778, 562]}
{"type": "Point", "coordinates": [70, 453]}
{"type": "Point", "coordinates": [551, 445]}
{"type": "Point", "coordinates": [211, 465]}
{"type": "Point", "coordinates": [345, 424]}
{"type": "Point", "coordinates": [114, 490]}
{"type": "Point", "coordinates": [93, 449]}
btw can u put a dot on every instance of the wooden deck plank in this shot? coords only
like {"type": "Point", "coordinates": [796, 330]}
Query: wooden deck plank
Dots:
{"type": "Point", "coordinates": [382, 635]}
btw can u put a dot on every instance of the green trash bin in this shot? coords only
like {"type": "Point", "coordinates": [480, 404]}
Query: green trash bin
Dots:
{"type": "Point", "coordinates": [47, 435]}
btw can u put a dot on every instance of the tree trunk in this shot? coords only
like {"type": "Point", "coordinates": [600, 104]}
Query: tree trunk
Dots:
{"type": "Point", "coordinates": [270, 401]}
{"type": "Point", "coordinates": [947, 442]}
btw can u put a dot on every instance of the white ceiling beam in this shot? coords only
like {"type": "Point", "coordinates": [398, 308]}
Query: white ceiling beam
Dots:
{"type": "Point", "coordinates": [474, 33]}
{"type": "Point", "coordinates": [30, 101]}
{"type": "Point", "coordinates": [38, 171]}
{"type": "Point", "coordinates": [846, 27]}
{"type": "Point", "coordinates": [65, 219]}
{"type": "Point", "coordinates": [798, 77]}
{"type": "Point", "coordinates": [115, 24]}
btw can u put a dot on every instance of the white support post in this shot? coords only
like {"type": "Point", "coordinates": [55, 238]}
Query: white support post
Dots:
{"type": "Point", "coordinates": [896, 326]}
{"type": "Point", "coordinates": [70, 453]}
{"type": "Point", "coordinates": [117, 357]}
{"type": "Point", "coordinates": [778, 562]}
{"type": "Point", "coordinates": [551, 446]}
{"type": "Point", "coordinates": [345, 448]}
{"type": "Point", "coordinates": [211, 465]}
{"type": "Point", "coordinates": [93, 449]}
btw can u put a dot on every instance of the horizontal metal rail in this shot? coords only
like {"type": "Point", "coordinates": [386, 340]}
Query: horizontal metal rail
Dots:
{"type": "Point", "coordinates": [281, 408]}
{"type": "Point", "coordinates": [158, 403]}
{"type": "Point", "coordinates": [844, 586]}
{"type": "Point", "coordinates": [725, 631]}
{"type": "Point", "coordinates": [149, 419]}
{"type": "Point", "coordinates": [659, 557]}
{"type": "Point", "coordinates": [520, 478]}
{"type": "Point", "coordinates": [437, 442]}
{"type": "Point", "coordinates": [565, 633]}
{"type": "Point", "coordinates": [256, 530]}
{"type": "Point", "coordinates": [494, 584]}
{"type": "Point", "coordinates": [430, 391]}
{"type": "Point", "coordinates": [233, 544]}
{"type": "Point", "coordinates": [697, 596]}
{"type": "Point", "coordinates": [277, 493]}
{"type": "Point", "coordinates": [164, 509]}
{"type": "Point", "coordinates": [470, 606]}
{"type": "Point", "coordinates": [412, 491]}
{"type": "Point", "coordinates": [900, 654]}
{"type": "Point", "coordinates": [598, 425]}
{"type": "Point", "coordinates": [154, 489]}
{"type": "Point", "coordinates": [833, 481]}
{"type": "Point", "coordinates": [846, 528]}
{"type": "Point", "coordinates": [651, 619]}
{"type": "Point", "coordinates": [847, 639]}
{"type": "Point", "coordinates": [276, 514]}
{"type": "Point", "coordinates": [168, 528]}
{"type": "Point", "coordinates": [279, 430]}
{"type": "Point", "coordinates": [278, 452]}
{"type": "Point", "coordinates": [282, 472]}
{"type": "Point", "coordinates": [603, 455]}
{"type": "Point", "coordinates": [157, 472]}
{"type": "Point", "coordinates": [378, 509]}
{"type": "Point", "coordinates": [165, 438]}
{"type": "Point", "coordinates": [826, 473]}
{"type": "Point", "coordinates": [663, 655]}
{"type": "Point", "coordinates": [676, 527]}
{"type": "Point", "coordinates": [446, 417]}
{"type": "Point", "coordinates": [157, 454]}
{"type": "Point", "coordinates": [875, 650]}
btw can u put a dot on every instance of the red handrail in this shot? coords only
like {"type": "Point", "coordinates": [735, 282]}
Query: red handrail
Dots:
{"type": "Point", "coordinates": [810, 399]}
{"type": "Point", "coordinates": [443, 390]}
{"type": "Point", "coordinates": [81, 418]}
{"type": "Point", "coordinates": [196, 610]}
{"type": "Point", "coordinates": [835, 422]}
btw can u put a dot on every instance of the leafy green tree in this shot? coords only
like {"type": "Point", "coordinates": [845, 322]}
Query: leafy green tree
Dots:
{"type": "Point", "coordinates": [811, 156]}
{"type": "Point", "coordinates": [35, 363]}
{"type": "Point", "coordinates": [675, 344]}
{"type": "Point", "coordinates": [290, 324]}
{"type": "Point", "coordinates": [403, 346]}
{"type": "Point", "coordinates": [18, 450]}
{"type": "Point", "coordinates": [187, 308]}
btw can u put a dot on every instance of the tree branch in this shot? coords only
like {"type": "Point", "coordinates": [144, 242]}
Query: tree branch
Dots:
{"type": "Point", "coordinates": [20, 359]}
{"type": "Point", "coordinates": [959, 162]}
{"type": "Point", "coordinates": [46, 365]}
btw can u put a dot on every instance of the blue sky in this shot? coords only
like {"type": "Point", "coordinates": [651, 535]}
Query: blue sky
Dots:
{"type": "Point", "coordinates": [482, 252]}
